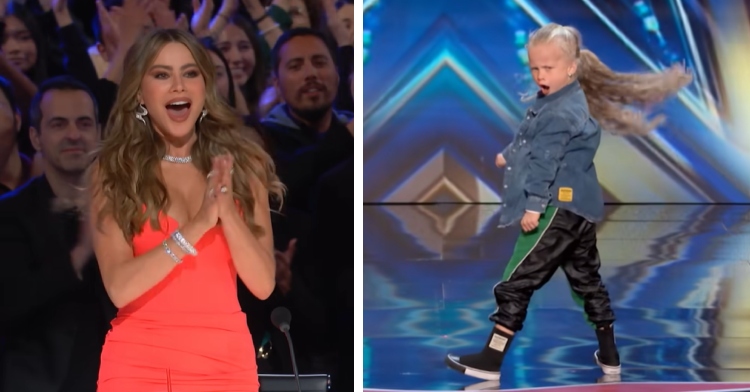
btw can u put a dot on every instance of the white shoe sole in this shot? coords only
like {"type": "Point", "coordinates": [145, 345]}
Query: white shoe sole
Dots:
{"type": "Point", "coordinates": [483, 386]}
{"type": "Point", "coordinates": [453, 362]}
{"type": "Point", "coordinates": [607, 369]}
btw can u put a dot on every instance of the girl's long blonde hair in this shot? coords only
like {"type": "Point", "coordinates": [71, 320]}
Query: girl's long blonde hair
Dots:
{"type": "Point", "coordinates": [616, 100]}
{"type": "Point", "coordinates": [127, 163]}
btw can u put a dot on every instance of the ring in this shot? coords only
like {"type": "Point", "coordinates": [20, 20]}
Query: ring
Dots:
{"type": "Point", "coordinates": [231, 171]}
{"type": "Point", "coordinates": [211, 192]}
{"type": "Point", "coordinates": [211, 173]}
{"type": "Point", "coordinates": [223, 189]}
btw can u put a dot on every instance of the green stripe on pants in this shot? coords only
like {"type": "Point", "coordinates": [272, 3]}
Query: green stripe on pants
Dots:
{"type": "Point", "coordinates": [526, 243]}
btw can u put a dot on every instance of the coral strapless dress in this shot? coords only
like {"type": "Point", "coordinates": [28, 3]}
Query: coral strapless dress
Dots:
{"type": "Point", "coordinates": [186, 334]}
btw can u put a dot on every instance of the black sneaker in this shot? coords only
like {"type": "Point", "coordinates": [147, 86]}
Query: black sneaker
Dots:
{"type": "Point", "coordinates": [485, 364]}
{"type": "Point", "coordinates": [607, 356]}
{"type": "Point", "coordinates": [474, 365]}
{"type": "Point", "coordinates": [610, 366]}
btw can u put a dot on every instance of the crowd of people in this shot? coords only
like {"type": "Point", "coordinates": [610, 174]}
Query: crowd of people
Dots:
{"type": "Point", "coordinates": [285, 67]}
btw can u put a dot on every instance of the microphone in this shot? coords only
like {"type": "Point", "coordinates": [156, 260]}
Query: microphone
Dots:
{"type": "Point", "coordinates": [281, 317]}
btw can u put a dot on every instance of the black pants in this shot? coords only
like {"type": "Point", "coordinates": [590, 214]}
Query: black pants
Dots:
{"type": "Point", "coordinates": [563, 239]}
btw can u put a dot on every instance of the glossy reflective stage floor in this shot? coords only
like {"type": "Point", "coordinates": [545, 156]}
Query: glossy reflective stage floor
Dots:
{"type": "Point", "coordinates": [678, 277]}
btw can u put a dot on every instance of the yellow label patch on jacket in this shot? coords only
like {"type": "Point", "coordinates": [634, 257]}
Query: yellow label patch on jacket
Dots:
{"type": "Point", "coordinates": [565, 194]}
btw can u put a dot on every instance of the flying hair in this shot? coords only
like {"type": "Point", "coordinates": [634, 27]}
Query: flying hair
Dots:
{"type": "Point", "coordinates": [616, 100]}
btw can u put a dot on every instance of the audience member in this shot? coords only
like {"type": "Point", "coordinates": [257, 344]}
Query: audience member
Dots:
{"type": "Point", "coordinates": [330, 266]}
{"type": "Point", "coordinates": [345, 13]}
{"type": "Point", "coordinates": [15, 167]}
{"type": "Point", "coordinates": [311, 142]}
{"type": "Point", "coordinates": [242, 49]}
{"type": "Point", "coordinates": [308, 137]}
{"type": "Point", "coordinates": [54, 309]}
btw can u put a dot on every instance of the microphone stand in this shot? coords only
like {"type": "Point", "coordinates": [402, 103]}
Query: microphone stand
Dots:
{"type": "Point", "coordinates": [291, 353]}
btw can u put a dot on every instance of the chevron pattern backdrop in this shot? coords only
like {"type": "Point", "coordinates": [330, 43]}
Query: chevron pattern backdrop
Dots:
{"type": "Point", "coordinates": [443, 80]}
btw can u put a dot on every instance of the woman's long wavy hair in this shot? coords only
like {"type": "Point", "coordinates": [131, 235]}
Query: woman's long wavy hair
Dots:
{"type": "Point", "coordinates": [127, 164]}
{"type": "Point", "coordinates": [208, 44]}
{"type": "Point", "coordinates": [256, 83]}
{"type": "Point", "coordinates": [616, 100]}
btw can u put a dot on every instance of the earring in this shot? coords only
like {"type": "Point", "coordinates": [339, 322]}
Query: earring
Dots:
{"type": "Point", "coordinates": [204, 112]}
{"type": "Point", "coordinates": [140, 112]}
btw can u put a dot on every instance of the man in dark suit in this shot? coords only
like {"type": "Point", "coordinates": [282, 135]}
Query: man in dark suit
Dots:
{"type": "Point", "coordinates": [54, 312]}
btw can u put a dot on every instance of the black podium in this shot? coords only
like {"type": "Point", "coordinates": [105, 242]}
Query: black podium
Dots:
{"type": "Point", "coordinates": [287, 383]}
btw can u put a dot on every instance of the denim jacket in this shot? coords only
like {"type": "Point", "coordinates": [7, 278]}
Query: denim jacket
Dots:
{"type": "Point", "coordinates": [551, 159]}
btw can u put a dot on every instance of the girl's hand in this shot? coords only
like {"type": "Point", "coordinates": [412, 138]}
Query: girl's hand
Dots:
{"type": "Point", "coordinates": [500, 160]}
{"type": "Point", "coordinates": [530, 221]}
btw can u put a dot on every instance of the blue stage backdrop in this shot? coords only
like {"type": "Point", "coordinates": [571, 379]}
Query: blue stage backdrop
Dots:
{"type": "Point", "coordinates": [443, 80]}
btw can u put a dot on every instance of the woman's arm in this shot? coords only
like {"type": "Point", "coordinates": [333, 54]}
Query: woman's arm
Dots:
{"type": "Point", "coordinates": [253, 256]}
{"type": "Point", "coordinates": [126, 277]}
{"type": "Point", "coordinates": [227, 8]}
{"type": "Point", "coordinates": [127, 23]}
{"type": "Point", "coordinates": [24, 87]}
{"type": "Point", "coordinates": [73, 45]}
{"type": "Point", "coordinates": [270, 23]}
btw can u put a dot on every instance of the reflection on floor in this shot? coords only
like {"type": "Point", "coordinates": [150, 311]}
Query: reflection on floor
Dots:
{"type": "Point", "coordinates": [678, 277]}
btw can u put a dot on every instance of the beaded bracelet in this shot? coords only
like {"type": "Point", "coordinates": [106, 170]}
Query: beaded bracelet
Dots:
{"type": "Point", "coordinates": [170, 253]}
{"type": "Point", "coordinates": [186, 246]}
{"type": "Point", "coordinates": [256, 21]}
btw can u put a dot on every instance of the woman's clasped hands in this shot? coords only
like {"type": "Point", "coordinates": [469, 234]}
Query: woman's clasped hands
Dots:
{"type": "Point", "coordinates": [218, 200]}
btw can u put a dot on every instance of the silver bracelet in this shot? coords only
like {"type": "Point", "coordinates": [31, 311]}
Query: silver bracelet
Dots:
{"type": "Point", "coordinates": [184, 244]}
{"type": "Point", "coordinates": [268, 30]}
{"type": "Point", "coordinates": [170, 253]}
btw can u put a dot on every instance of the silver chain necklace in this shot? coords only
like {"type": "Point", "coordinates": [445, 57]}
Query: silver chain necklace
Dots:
{"type": "Point", "coordinates": [173, 159]}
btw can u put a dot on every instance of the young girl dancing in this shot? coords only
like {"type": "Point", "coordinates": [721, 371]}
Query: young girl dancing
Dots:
{"type": "Point", "coordinates": [552, 187]}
